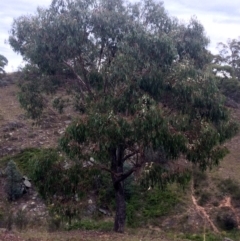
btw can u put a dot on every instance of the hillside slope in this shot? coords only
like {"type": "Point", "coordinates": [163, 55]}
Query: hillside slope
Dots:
{"type": "Point", "coordinates": [203, 203]}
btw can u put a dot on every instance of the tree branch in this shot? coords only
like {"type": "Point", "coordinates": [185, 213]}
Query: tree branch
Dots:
{"type": "Point", "coordinates": [102, 167]}
{"type": "Point", "coordinates": [100, 57]}
{"type": "Point", "coordinates": [84, 71]}
{"type": "Point", "coordinates": [80, 80]}
{"type": "Point", "coordinates": [123, 176]}
{"type": "Point", "coordinates": [130, 155]}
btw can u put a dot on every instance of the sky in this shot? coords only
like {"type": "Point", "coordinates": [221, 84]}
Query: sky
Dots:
{"type": "Point", "coordinates": [220, 18]}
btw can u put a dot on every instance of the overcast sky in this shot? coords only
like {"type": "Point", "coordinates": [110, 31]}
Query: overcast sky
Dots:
{"type": "Point", "coordinates": [221, 20]}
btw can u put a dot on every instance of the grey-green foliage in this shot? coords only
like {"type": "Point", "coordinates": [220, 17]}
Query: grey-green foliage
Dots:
{"type": "Point", "coordinates": [229, 58]}
{"type": "Point", "coordinates": [143, 80]}
{"type": "Point", "coordinates": [3, 62]}
{"type": "Point", "coordinates": [14, 181]}
{"type": "Point", "coordinates": [227, 66]}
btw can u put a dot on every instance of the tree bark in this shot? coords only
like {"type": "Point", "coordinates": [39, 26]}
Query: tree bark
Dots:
{"type": "Point", "coordinates": [117, 169]}
{"type": "Point", "coordinates": [120, 216]}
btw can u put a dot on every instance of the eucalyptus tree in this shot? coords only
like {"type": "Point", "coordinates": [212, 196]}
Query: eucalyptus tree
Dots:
{"type": "Point", "coordinates": [228, 58]}
{"type": "Point", "coordinates": [143, 80]}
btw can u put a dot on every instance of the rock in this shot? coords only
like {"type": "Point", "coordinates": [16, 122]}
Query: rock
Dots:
{"type": "Point", "coordinates": [6, 151]}
{"type": "Point", "coordinates": [11, 126]}
{"type": "Point", "coordinates": [227, 239]}
{"type": "Point", "coordinates": [27, 182]}
{"type": "Point", "coordinates": [66, 165]}
{"type": "Point", "coordinates": [67, 122]}
{"type": "Point", "coordinates": [91, 209]}
{"type": "Point", "coordinates": [76, 197]}
{"type": "Point", "coordinates": [104, 211]}
{"type": "Point", "coordinates": [60, 132]}
{"type": "Point", "coordinates": [24, 207]}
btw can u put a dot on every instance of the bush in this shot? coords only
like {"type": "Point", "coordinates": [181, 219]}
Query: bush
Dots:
{"type": "Point", "coordinates": [230, 187]}
{"type": "Point", "coordinates": [144, 206]}
{"type": "Point", "coordinates": [226, 219]}
{"type": "Point", "coordinates": [21, 220]}
{"type": "Point", "coordinates": [54, 223]}
{"type": "Point", "coordinates": [159, 202]}
{"type": "Point", "coordinates": [46, 172]}
{"type": "Point", "coordinates": [14, 188]}
{"type": "Point", "coordinates": [205, 197]}
{"type": "Point", "coordinates": [230, 88]}
{"type": "Point", "coordinates": [199, 179]}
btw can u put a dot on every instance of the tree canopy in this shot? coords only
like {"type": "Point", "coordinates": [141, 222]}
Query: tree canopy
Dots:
{"type": "Point", "coordinates": [229, 57]}
{"type": "Point", "coordinates": [142, 78]}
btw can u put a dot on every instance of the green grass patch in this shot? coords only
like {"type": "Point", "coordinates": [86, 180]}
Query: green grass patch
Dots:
{"type": "Point", "coordinates": [21, 159]}
{"type": "Point", "coordinates": [159, 202]}
{"type": "Point", "coordinates": [146, 205]}
{"type": "Point", "coordinates": [87, 224]}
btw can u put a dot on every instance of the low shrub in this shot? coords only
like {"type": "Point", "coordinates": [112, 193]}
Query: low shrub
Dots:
{"type": "Point", "coordinates": [230, 187]}
{"type": "Point", "coordinates": [21, 220]}
{"type": "Point", "coordinates": [14, 188]}
{"type": "Point", "coordinates": [226, 219]}
{"type": "Point", "coordinates": [159, 202]}
{"type": "Point", "coordinates": [205, 197]}
{"type": "Point", "coordinates": [230, 88]}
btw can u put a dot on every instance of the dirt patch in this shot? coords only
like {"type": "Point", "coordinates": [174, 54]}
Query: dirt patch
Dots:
{"type": "Point", "coordinates": [9, 236]}
{"type": "Point", "coordinates": [202, 212]}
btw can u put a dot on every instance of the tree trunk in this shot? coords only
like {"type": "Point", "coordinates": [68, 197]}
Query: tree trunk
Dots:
{"type": "Point", "coordinates": [117, 168]}
{"type": "Point", "coordinates": [120, 215]}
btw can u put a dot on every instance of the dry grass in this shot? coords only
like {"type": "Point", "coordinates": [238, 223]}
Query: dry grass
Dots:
{"type": "Point", "coordinates": [45, 134]}
{"type": "Point", "coordinates": [9, 105]}
{"type": "Point", "coordinates": [130, 235]}
{"type": "Point", "coordinates": [230, 166]}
